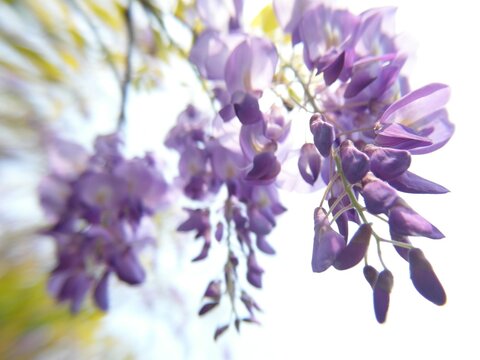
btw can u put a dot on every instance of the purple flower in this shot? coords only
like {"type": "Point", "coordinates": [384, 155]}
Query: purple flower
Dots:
{"type": "Point", "coordinates": [355, 164]}
{"type": "Point", "coordinates": [417, 122]}
{"type": "Point", "coordinates": [379, 196]}
{"type": "Point", "coordinates": [424, 278]}
{"type": "Point", "coordinates": [381, 295]}
{"type": "Point", "coordinates": [265, 169]}
{"type": "Point", "coordinates": [327, 243]}
{"type": "Point", "coordinates": [403, 220]}
{"type": "Point", "coordinates": [309, 163]}
{"type": "Point", "coordinates": [355, 250]}
{"type": "Point", "coordinates": [251, 66]}
{"type": "Point", "coordinates": [323, 32]}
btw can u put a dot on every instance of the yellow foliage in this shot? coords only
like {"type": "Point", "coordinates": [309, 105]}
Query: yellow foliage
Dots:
{"type": "Point", "coordinates": [266, 20]}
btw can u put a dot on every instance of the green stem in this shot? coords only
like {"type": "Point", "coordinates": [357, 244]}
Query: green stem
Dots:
{"type": "Point", "coordinates": [358, 207]}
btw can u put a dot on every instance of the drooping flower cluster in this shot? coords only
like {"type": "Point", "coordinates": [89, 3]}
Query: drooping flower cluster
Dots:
{"type": "Point", "coordinates": [212, 170]}
{"type": "Point", "coordinates": [366, 129]}
{"type": "Point", "coordinates": [99, 206]}
{"type": "Point", "coordinates": [365, 126]}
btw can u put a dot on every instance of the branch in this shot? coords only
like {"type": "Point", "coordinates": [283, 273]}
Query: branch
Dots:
{"type": "Point", "coordinates": [128, 65]}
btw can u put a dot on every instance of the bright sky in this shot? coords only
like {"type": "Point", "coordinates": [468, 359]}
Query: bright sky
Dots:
{"type": "Point", "coordinates": [330, 315]}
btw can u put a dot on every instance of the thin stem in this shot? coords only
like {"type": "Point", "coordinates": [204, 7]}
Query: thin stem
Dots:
{"type": "Point", "coordinates": [306, 90]}
{"type": "Point", "coordinates": [327, 189]}
{"type": "Point", "coordinates": [398, 243]}
{"type": "Point", "coordinates": [358, 207]}
{"type": "Point", "coordinates": [340, 213]}
{"type": "Point", "coordinates": [128, 65]}
{"type": "Point", "coordinates": [336, 202]}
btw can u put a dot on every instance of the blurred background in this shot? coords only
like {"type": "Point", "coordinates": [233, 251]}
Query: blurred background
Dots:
{"type": "Point", "coordinates": [61, 64]}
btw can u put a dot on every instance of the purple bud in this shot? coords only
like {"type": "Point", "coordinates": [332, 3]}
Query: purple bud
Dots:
{"type": "Point", "coordinates": [213, 290]}
{"type": "Point", "coordinates": [100, 294]}
{"type": "Point", "coordinates": [371, 275]}
{"type": "Point", "coordinates": [219, 331]}
{"type": "Point", "coordinates": [75, 289]}
{"type": "Point", "coordinates": [355, 164]}
{"type": "Point", "coordinates": [264, 246]}
{"type": "Point", "coordinates": [207, 307]}
{"type": "Point", "coordinates": [388, 163]}
{"type": "Point", "coordinates": [410, 183]}
{"type": "Point", "coordinates": [355, 250]}
{"type": "Point", "coordinates": [254, 271]}
{"type": "Point", "coordinates": [219, 232]}
{"type": "Point", "coordinates": [265, 168]}
{"type": "Point", "coordinates": [128, 268]}
{"type": "Point", "coordinates": [246, 108]}
{"type": "Point", "coordinates": [424, 278]}
{"type": "Point", "coordinates": [204, 252]}
{"type": "Point", "coordinates": [333, 70]}
{"type": "Point", "coordinates": [323, 136]}
{"type": "Point", "coordinates": [405, 221]}
{"type": "Point", "coordinates": [378, 196]}
{"type": "Point", "coordinates": [309, 163]}
{"type": "Point", "coordinates": [381, 295]}
{"type": "Point", "coordinates": [327, 244]}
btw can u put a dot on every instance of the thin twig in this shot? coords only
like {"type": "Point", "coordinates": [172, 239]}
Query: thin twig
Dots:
{"type": "Point", "coordinates": [128, 65]}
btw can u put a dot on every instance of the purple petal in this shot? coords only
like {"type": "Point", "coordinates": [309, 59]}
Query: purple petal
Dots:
{"type": "Point", "coordinates": [323, 136]}
{"type": "Point", "coordinates": [378, 196]}
{"type": "Point", "coordinates": [265, 168]}
{"type": "Point", "coordinates": [439, 130]}
{"type": "Point", "coordinates": [207, 307]}
{"type": "Point", "coordinates": [220, 330]}
{"type": "Point", "coordinates": [355, 250]}
{"type": "Point", "coordinates": [400, 137]}
{"type": "Point", "coordinates": [246, 108]}
{"type": "Point", "coordinates": [333, 70]}
{"type": "Point", "coordinates": [219, 232]}
{"type": "Point", "coordinates": [371, 275]}
{"type": "Point", "coordinates": [405, 221]}
{"type": "Point", "coordinates": [128, 268]}
{"type": "Point", "coordinates": [309, 163]}
{"type": "Point", "coordinates": [417, 104]}
{"type": "Point", "coordinates": [355, 164]}
{"type": "Point", "coordinates": [326, 246]}
{"type": "Point", "coordinates": [213, 290]}
{"type": "Point", "coordinates": [251, 66]}
{"type": "Point", "coordinates": [359, 82]}
{"type": "Point", "coordinates": [410, 183]}
{"type": "Point", "coordinates": [389, 163]}
{"type": "Point", "coordinates": [381, 295]}
{"type": "Point", "coordinates": [264, 246]}
{"type": "Point", "coordinates": [424, 278]}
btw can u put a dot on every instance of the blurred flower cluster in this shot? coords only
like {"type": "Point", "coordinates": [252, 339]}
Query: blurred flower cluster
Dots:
{"type": "Point", "coordinates": [99, 206]}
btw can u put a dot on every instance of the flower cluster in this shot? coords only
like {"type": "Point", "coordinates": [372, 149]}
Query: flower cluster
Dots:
{"type": "Point", "coordinates": [212, 170]}
{"type": "Point", "coordinates": [99, 206]}
{"type": "Point", "coordinates": [366, 128]}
